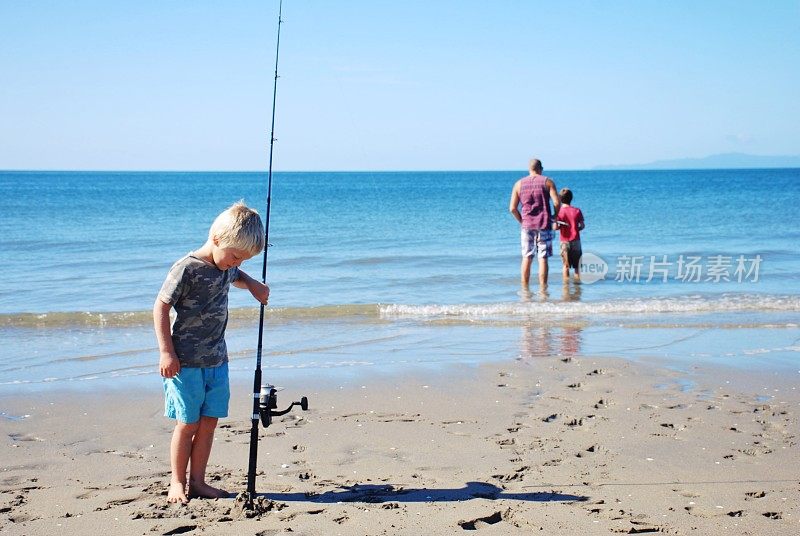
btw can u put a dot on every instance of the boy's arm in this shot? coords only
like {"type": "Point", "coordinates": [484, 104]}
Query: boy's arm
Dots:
{"type": "Point", "coordinates": [581, 224]}
{"type": "Point", "coordinates": [259, 290]}
{"type": "Point", "coordinates": [168, 363]}
{"type": "Point", "coordinates": [513, 204]}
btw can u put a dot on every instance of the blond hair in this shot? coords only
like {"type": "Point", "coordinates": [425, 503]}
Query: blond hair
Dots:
{"type": "Point", "coordinates": [239, 227]}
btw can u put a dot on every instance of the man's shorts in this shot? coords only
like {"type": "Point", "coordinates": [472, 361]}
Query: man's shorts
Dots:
{"type": "Point", "coordinates": [197, 391]}
{"type": "Point", "coordinates": [571, 254]}
{"type": "Point", "coordinates": [538, 241]}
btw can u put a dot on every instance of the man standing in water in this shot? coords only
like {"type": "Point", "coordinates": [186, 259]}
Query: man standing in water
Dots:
{"type": "Point", "coordinates": [534, 193]}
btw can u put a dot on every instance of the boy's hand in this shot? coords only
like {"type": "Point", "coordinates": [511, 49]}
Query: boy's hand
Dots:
{"type": "Point", "coordinates": [259, 290]}
{"type": "Point", "coordinates": [169, 365]}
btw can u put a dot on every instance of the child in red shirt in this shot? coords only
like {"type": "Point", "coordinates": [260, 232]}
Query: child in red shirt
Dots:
{"type": "Point", "coordinates": [570, 223]}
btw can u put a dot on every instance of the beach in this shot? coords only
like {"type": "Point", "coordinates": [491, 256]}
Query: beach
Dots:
{"type": "Point", "coordinates": [385, 146]}
{"type": "Point", "coordinates": [409, 162]}
{"type": "Point", "coordinates": [659, 398]}
{"type": "Point", "coordinates": [571, 445]}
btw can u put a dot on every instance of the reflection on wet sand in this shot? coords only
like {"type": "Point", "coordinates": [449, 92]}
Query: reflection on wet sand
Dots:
{"type": "Point", "coordinates": [545, 338]}
{"type": "Point", "coordinates": [570, 293]}
{"type": "Point", "coordinates": [536, 341]}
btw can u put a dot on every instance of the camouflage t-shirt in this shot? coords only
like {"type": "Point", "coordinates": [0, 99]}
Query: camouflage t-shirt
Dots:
{"type": "Point", "coordinates": [198, 291]}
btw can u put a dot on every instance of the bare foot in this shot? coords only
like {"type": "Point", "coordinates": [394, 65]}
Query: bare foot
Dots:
{"type": "Point", "coordinates": [177, 493]}
{"type": "Point", "coordinates": [201, 489]}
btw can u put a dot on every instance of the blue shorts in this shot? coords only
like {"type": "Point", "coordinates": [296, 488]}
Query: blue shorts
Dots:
{"type": "Point", "coordinates": [197, 391]}
{"type": "Point", "coordinates": [537, 243]}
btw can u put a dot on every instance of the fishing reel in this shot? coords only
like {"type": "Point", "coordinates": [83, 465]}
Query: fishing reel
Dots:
{"type": "Point", "coordinates": [265, 407]}
{"type": "Point", "coordinates": [268, 404]}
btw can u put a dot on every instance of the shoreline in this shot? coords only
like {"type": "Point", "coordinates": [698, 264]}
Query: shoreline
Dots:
{"type": "Point", "coordinates": [566, 444]}
{"type": "Point", "coordinates": [114, 359]}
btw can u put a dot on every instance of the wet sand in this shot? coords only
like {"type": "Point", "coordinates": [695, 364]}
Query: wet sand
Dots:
{"type": "Point", "coordinates": [559, 445]}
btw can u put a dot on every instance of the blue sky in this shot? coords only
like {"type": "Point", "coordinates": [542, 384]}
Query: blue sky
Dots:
{"type": "Point", "coordinates": [390, 85]}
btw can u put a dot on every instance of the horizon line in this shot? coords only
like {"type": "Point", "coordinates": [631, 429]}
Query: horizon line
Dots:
{"type": "Point", "coordinates": [596, 168]}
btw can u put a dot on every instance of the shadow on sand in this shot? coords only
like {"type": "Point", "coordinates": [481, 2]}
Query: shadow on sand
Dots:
{"type": "Point", "coordinates": [380, 493]}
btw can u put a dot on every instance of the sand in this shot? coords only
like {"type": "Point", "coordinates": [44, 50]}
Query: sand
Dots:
{"type": "Point", "coordinates": [548, 446]}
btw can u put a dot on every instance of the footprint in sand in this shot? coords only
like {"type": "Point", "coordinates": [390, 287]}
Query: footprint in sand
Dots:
{"type": "Point", "coordinates": [181, 530]}
{"type": "Point", "coordinates": [700, 512]}
{"type": "Point", "coordinates": [291, 517]}
{"type": "Point", "coordinates": [19, 500]}
{"type": "Point", "coordinates": [640, 530]}
{"type": "Point", "coordinates": [481, 522]}
{"type": "Point", "coordinates": [239, 430]}
{"type": "Point", "coordinates": [756, 451]}
{"type": "Point", "coordinates": [750, 495]}
{"type": "Point", "coordinates": [519, 474]}
{"type": "Point", "coordinates": [22, 518]}
{"type": "Point", "coordinates": [591, 450]}
{"type": "Point", "coordinates": [88, 494]}
{"type": "Point", "coordinates": [118, 502]}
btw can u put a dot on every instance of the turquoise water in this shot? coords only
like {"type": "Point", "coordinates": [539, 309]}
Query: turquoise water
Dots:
{"type": "Point", "coordinates": [381, 268]}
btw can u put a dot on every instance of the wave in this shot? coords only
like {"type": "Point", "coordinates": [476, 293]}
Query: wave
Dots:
{"type": "Point", "coordinates": [511, 311]}
{"type": "Point", "coordinates": [639, 306]}
{"type": "Point", "coordinates": [241, 315]}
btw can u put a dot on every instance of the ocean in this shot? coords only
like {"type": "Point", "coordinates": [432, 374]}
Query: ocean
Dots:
{"type": "Point", "coordinates": [373, 272]}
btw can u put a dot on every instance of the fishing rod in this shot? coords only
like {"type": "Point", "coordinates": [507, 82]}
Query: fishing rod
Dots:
{"type": "Point", "coordinates": [265, 398]}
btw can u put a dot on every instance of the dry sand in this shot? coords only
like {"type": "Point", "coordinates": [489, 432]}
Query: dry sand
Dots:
{"type": "Point", "coordinates": [572, 446]}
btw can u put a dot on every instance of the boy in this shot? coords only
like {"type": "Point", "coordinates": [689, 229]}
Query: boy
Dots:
{"type": "Point", "coordinates": [570, 223]}
{"type": "Point", "coordinates": [194, 358]}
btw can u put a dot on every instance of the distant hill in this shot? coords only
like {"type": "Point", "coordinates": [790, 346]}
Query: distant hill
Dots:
{"type": "Point", "coordinates": [717, 161]}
